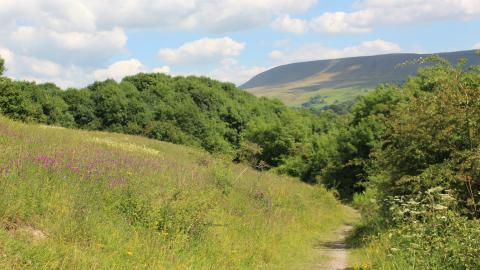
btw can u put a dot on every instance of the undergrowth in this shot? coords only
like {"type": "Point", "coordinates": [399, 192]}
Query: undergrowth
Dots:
{"type": "Point", "coordinates": [89, 200]}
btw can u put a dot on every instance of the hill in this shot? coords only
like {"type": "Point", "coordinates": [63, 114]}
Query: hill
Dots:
{"type": "Point", "coordinates": [332, 81]}
{"type": "Point", "coordinates": [73, 199]}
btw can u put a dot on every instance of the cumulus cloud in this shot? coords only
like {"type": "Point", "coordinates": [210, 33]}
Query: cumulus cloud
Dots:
{"type": "Point", "coordinates": [369, 14]}
{"type": "Point", "coordinates": [476, 46]}
{"type": "Point", "coordinates": [123, 68]}
{"type": "Point", "coordinates": [237, 74]}
{"type": "Point", "coordinates": [41, 70]}
{"type": "Point", "coordinates": [6, 55]}
{"type": "Point", "coordinates": [242, 15]}
{"type": "Point", "coordinates": [119, 69]}
{"type": "Point", "coordinates": [74, 48]}
{"type": "Point", "coordinates": [75, 38]}
{"type": "Point", "coordinates": [315, 51]}
{"type": "Point", "coordinates": [82, 15]}
{"type": "Point", "coordinates": [29, 65]}
{"type": "Point", "coordinates": [202, 52]}
{"type": "Point", "coordinates": [342, 22]}
{"type": "Point", "coordinates": [291, 25]}
{"type": "Point", "coordinates": [164, 69]}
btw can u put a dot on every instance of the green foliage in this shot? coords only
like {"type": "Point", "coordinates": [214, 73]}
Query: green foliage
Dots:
{"type": "Point", "coordinates": [429, 234]}
{"type": "Point", "coordinates": [446, 242]}
{"type": "Point", "coordinates": [422, 198]}
{"type": "Point", "coordinates": [2, 66]}
{"type": "Point", "coordinates": [434, 139]}
{"type": "Point", "coordinates": [355, 139]}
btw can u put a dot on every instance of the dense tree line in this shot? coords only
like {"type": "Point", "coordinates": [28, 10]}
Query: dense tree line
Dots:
{"type": "Point", "coordinates": [194, 111]}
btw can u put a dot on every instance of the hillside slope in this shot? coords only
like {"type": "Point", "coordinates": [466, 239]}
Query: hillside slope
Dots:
{"type": "Point", "coordinates": [73, 199]}
{"type": "Point", "coordinates": [296, 83]}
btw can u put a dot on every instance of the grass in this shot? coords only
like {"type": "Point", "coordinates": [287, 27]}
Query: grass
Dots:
{"type": "Point", "coordinates": [73, 199]}
{"type": "Point", "coordinates": [290, 94]}
{"type": "Point", "coordinates": [328, 95]}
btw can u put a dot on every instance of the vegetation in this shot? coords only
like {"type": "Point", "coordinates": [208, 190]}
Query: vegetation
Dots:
{"type": "Point", "coordinates": [73, 199]}
{"type": "Point", "coordinates": [407, 156]}
{"type": "Point", "coordinates": [423, 192]}
{"type": "Point", "coordinates": [339, 100]}
{"type": "Point", "coordinates": [2, 66]}
{"type": "Point", "coordinates": [192, 111]}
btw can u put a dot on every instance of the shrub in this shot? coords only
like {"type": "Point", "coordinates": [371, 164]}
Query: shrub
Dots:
{"type": "Point", "coordinates": [431, 234]}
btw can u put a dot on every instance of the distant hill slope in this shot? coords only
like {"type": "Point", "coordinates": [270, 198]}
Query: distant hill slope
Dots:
{"type": "Point", "coordinates": [296, 83]}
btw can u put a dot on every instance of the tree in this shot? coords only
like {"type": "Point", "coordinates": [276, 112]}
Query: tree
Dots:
{"type": "Point", "coordinates": [434, 139]}
{"type": "Point", "coordinates": [16, 103]}
{"type": "Point", "coordinates": [2, 66]}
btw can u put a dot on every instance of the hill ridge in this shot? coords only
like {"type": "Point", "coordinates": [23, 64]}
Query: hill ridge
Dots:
{"type": "Point", "coordinates": [337, 80]}
{"type": "Point", "coordinates": [255, 81]}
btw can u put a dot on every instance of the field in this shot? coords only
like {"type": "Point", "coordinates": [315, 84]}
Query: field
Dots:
{"type": "Point", "coordinates": [72, 199]}
{"type": "Point", "coordinates": [329, 96]}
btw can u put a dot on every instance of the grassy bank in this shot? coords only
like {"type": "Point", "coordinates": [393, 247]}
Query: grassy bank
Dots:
{"type": "Point", "coordinates": [72, 199]}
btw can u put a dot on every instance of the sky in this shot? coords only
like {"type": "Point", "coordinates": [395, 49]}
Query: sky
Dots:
{"type": "Point", "coordinates": [76, 42]}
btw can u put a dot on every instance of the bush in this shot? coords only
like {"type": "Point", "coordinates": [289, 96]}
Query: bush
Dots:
{"type": "Point", "coordinates": [430, 234]}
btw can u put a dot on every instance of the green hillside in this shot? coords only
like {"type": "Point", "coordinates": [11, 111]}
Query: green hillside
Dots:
{"type": "Point", "coordinates": [72, 199]}
{"type": "Point", "coordinates": [331, 82]}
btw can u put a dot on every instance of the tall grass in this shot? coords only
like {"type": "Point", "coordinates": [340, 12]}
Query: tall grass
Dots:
{"type": "Point", "coordinates": [90, 200]}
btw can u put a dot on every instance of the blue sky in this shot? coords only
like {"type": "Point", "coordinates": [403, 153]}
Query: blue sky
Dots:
{"type": "Point", "coordinates": [76, 42]}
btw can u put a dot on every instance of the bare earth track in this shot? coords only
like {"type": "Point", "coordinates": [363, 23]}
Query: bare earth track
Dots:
{"type": "Point", "coordinates": [336, 250]}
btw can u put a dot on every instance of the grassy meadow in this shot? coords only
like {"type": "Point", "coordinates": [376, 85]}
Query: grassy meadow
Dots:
{"type": "Point", "coordinates": [329, 96]}
{"type": "Point", "coordinates": [73, 199]}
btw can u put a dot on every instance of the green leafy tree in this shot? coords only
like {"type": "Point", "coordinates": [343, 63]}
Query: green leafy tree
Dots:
{"type": "Point", "coordinates": [2, 66]}
{"type": "Point", "coordinates": [81, 107]}
{"type": "Point", "coordinates": [434, 139]}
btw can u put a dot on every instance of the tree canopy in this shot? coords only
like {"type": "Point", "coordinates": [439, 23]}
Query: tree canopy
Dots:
{"type": "Point", "coordinates": [2, 66]}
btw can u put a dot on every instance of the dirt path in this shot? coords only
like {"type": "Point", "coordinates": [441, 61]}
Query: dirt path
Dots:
{"type": "Point", "coordinates": [336, 251]}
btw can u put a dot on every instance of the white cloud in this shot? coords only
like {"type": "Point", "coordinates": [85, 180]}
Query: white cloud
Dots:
{"type": "Point", "coordinates": [89, 15]}
{"type": "Point", "coordinates": [41, 70]}
{"type": "Point", "coordinates": [237, 15]}
{"type": "Point", "coordinates": [100, 40]}
{"type": "Point", "coordinates": [74, 48]}
{"type": "Point", "coordinates": [41, 67]}
{"type": "Point", "coordinates": [287, 24]}
{"type": "Point", "coordinates": [315, 51]}
{"type": "Point", "coordinates": [342, 22]}
{"type": "Point", "coordinates": [476, 46]}
{"type": "Point", "coordinates": [202, 52]}
{"type": "Point", "coordinates": [375, 13]}
{"type": "Point", "coordinates": [121, 69]}
{"type": "Point", "coordinates": [164, 69]}
{"type": "Point", "coordinates": [237, 74]}
{"type": "Point", "coordinates": [29, 65]}
{"type": "Point", "coordinates": [6, 55]}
